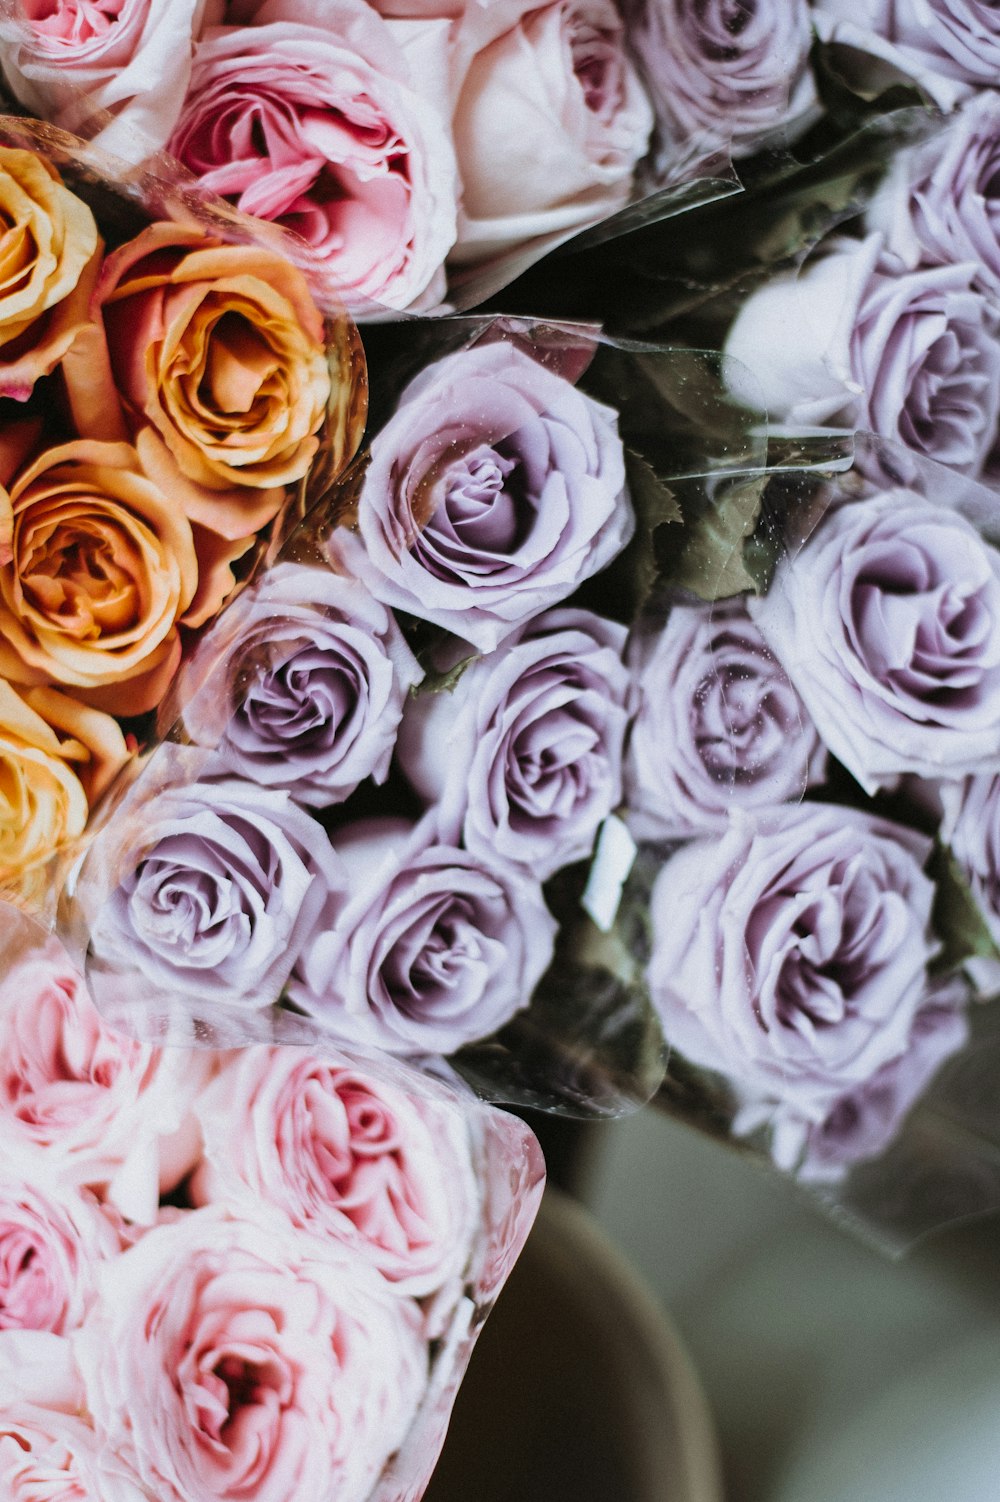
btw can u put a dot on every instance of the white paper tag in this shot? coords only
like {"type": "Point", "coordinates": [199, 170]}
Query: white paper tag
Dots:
{"type": "Point", "coordinates": [613, 860]}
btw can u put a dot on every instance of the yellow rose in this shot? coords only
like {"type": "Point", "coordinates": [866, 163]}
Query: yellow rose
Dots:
{"type": "Point", "coordinates": [49, 253]}
{"type": "Point", "coordinates": [102, 569]}
{"type": "Point", "coordinates": [221, 348]}
{"type": "Point", "coordinates": [56, 757]}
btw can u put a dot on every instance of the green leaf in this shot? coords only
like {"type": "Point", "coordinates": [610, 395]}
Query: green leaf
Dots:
{"type": "Point", "coordinates": [655, 505]}
{"type": "Point", "coordinates": [441, 681]}
{"type": "Point", "coordinates": [711, 563]}
{"type": "Point", "coordinates": [956, 915]}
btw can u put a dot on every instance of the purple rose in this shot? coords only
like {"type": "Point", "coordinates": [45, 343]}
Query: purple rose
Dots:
{"type": "Point", "coordinates": [858, 341]}
{"type": "Point", "coordinates": [494, 490]}
{"type": "Point", "coordinates": [223, 885]}
{"type": "Point", "coordinates": [523, 758]}
{"type": "Point", "coordinates": [940, 203]}
{"type": "Point", "coordinates": [730, 72]}
{"type": "Point", "coordinates": [888, 624]}
{"type": "Point", "coordinates": [435, 948]}
{"type": "Point", "coordinates": [791, 954]}
{"type": "Point", "coordinates": [946, 46]}
{"type": "Point", "coordinates": [719, 725]}
{"type": "Point", "coordinates": [862, 1123]}
{"type": "Point", "coordinates": [302, 685]}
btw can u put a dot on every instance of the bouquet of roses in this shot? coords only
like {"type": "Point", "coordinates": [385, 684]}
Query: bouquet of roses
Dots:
{"type": "Point", "coordinates": [165, 393]}
{"type": "Point", "coordinates": [229, 1272]}
{"type": "Point", "coordinates": [812, 775]}
{"type": "Point", "coordinates": [386, 769]}
{"type": "Point", "coordinates": [371, 130]}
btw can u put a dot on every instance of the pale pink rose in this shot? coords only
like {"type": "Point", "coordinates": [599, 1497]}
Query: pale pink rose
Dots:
{"type": "Point", "coordinates": [85, 1104]}
{"type": "Point", "coordinates": [383, 1167]}
{"type": "Point", "coordinates": [51, 1242]}
{"type": "Point", "coordinates": [75, 61]}
{"type": "Point", "coordinates": [231, 1359]}
{"type": "Point", "coordinates": [48, 1451]}
{"type": "Point", "coordinates": [550, 121]}
{"type": "Point", "coordinates": [310, 117]}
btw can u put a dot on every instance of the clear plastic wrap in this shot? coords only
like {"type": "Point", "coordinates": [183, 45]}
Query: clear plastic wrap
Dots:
{"type": "Point", "coordinates": [325, 1232]}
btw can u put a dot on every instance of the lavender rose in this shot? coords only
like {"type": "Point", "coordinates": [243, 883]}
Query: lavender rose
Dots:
{"type": "Point", "coordinates": [856, 340]}
{"type": "Point", "coordinates": [435, 948]}
{"type": "Point", "coordinates": [730, 72]}
{"type": "Point", "coordinates": [888, 625]}
{"type": "Point", "coordinates": [494, 490]}
{"type": "Point", "coordinates": [719, 726]}
{"type": "Point", "coordinates": [224, 885]}
{"type": "Point", "coordinates": [791, 955]}
{"type": "Point", "coordinates": [940, 203]}
{"type": "Point", "coordinates": [861, 1124]}
{"type": "Point", "coordinates": [303, 681]}
{"type": "Point", "coordinates": [946, 46]}
{"type": "Point", "coordinates": [523, 757]}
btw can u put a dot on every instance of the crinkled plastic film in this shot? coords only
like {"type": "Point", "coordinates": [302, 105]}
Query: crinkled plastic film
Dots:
{"type": "Point", "coordinates": [487, 1168]}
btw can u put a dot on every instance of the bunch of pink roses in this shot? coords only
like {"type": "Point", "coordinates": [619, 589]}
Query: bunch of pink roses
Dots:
{"type": "Point", "coordinates": [404, 137]}
{"type": "Point", "coordinates": [260, 1270]}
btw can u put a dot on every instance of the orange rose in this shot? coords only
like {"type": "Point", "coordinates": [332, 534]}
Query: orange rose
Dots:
{"type": "Point", "coordinates": [48, 265]}
{"type": "Point", "coordinates": [56, 757]}
{"type": "Point", "coordinates": [221, 348]}
{"type": "Point", "coordinates": [103, 568]}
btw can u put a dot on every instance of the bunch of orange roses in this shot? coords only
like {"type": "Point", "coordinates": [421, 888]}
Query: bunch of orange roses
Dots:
{"type": "Point", "coordinates": [159, 400]}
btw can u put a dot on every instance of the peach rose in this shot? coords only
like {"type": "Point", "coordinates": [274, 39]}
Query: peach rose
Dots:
{"type": "Point", "coordinates": [49, 250]}
{"type": "Point", "coordinates": [56, 756]}
{"type": "Point", "coordinates": [103, 569]}
{"type": "Point", "coordinates": [221, 349]}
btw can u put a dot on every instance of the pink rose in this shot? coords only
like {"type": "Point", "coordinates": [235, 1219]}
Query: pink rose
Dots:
{"type": "Point", "coordinates": [72, 60]}
{"type": "Point", "coordinates": [575, 121]}
{"type": "Point", "coordinates": [50, 1456]}
{"type": "Point", "coordinates": [50, 1245]}
{"type": "Point", "coordinates": [82, 1102]}
{"type": "Point", "coordinates": [310, 117]}
{"type": "Point", "coordinates": [230, 1359]}
{"type": "Point", "coordinates": [384, 1168]}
